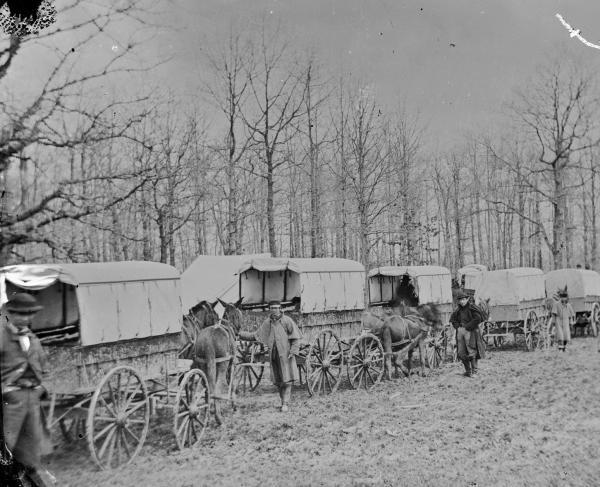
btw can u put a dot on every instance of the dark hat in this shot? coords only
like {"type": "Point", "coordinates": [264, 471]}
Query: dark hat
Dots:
{"type": "Point", "coordinates": [23, 303]}
{"type": "Point", "coordinates": [461, 295]}
{"type": "Point", "coordinates": [563, 293]}
{"type": "Point", "coordinates": [274, 303]}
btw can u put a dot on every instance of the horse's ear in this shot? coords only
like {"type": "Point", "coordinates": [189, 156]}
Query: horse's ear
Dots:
{"type": "Point", "coordinates": [238, 303]}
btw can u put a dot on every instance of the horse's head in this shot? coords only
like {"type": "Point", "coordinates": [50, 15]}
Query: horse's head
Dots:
{"type": "Point", "coordinates": [431, 316]}
{"type": "Point", "coordinates": [233, 316]}
{"type": "Point", "coordinates": [204, 314]}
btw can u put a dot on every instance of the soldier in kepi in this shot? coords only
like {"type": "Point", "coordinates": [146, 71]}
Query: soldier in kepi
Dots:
{"type": "Point", "coordinates": [281, 336]}
{"type": "Point", "coordinates": [465, 320]}
{"type": "Point", "coordinates": [22, 364]}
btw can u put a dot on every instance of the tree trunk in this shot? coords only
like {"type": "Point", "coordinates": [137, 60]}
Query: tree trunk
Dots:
{"type": "Point", "coordinates": [271, 206]}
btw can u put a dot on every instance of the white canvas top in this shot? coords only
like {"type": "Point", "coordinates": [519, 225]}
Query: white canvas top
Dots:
{"type": "Point", "coordinates": [39, 276]}
{"type": "Point", "coordinates": [302, 266]}
{"type": "Point", "coordinates": [580, 282]}
{"type": "Point", "coordinates": [511, 286]}
{"type": "Point", "coordinates": [433, 284]}
{"type": "Point", "coordinates": [413, 271]}
{"type": "Point", "coordinates": [115, 300]}
{"type": "Point", "coordinates": [212, 277]}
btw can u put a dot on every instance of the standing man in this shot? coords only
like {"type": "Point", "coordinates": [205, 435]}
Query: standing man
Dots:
{"type": "Point", "coordinates": [465, 320]}
{"type": "Point", "coordinates": [561, 316]}
{"type": "Point", "coordinates": [281, 336]}
{"type": "Point", "coordinates": [22, 363]}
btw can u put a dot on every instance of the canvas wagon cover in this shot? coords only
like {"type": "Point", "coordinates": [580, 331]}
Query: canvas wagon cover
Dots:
{"type": "Point", "coordinates": [580, 282]}
{"type": "Point", "coordinates": [115, 300]}
{"type": "Point", "coordinates": [212, 277]}
{"type": "Point", "coordinates": [433, 284]}
{"type": "Point", "coordinates": [511, 286]}
{"type": "Point", "coordinates": [325, 284]}
{"type": "Point", "coordinates": [472, 275]}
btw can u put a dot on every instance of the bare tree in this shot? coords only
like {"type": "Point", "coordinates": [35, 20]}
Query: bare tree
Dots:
{"type": "Point", "coordinates": [560, 111]}
{"type": "Point", "coordinates": [55, 116]}
{"type": "Point", "coordinates": [277, 90]}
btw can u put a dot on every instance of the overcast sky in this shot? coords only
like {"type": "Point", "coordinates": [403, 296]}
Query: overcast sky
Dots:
{"type": "Point", "coordinates": [454, 61]}
{"type": "Point", "coordinates": [404, 47]}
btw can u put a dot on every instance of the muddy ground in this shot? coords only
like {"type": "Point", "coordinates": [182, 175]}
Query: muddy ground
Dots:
{"type": "Point", "coordinates": [530, 418]}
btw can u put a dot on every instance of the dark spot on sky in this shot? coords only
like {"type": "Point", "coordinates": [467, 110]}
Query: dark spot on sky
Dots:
{"type": "Point", "coordinates": [24, 9]}
{"type": "Point", "coordinates": [72, 49]}
{"type": "Point", "coordinates": [452, 44]}
{"type": "Point", "coordinates": [381, 33]}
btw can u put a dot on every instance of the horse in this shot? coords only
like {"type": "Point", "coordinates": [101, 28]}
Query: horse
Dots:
{"type": "Point", "coordinates": [409, 328]}
{"type": "Point", "coordinates": [212, 346]}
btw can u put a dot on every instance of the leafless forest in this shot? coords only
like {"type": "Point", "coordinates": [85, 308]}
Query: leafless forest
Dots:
{"type": "Point", "coordinates": [279, 153]}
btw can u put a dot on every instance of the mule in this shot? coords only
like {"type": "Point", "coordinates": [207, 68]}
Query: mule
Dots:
{"type": "Point", "coordinates": [409, 328]}
{"type": "Point", "coordinates": [213, 346]}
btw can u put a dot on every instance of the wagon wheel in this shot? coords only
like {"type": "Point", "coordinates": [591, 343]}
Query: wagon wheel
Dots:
{"type": "Point", "coordinates": [324, 363]}
{"type": "Point", "coordinates": [594, 320]}
{"type": "Point", "coordinates": [118, 418]}
{"type": "Point", "coordinates": [192, 409]}
{"type": "Point", "coordinates": [531, 330]}
{"type": "Point", "coordinates": [365, 362]}
{"type": "Point", "coordinates": [249, 371]}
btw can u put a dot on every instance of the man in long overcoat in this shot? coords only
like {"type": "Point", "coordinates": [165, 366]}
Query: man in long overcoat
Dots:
{"type": "Point", "coordinates": [562, 316]}
{"type": "Point", "coordinates": [280, 334]}
{"type": "Point", "coordinates": [22, 364]}
{"type": "Point", "coordinates": [466, 319]}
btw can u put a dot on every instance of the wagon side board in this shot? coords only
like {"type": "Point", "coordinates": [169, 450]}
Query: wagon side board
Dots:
{"type": "Point", "coordinates": [77, 370]}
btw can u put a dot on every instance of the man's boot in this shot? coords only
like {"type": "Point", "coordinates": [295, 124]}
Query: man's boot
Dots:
{"type": "Point", "coordinates": [473, 366]}
{"type": "Point", "coordinates": [467, 365]}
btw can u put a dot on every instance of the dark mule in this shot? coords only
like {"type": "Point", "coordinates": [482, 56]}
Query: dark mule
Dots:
{"type": "Point", "coordinates": [213, 344]}
{"type": "Point", "coordinates": [407, 331]}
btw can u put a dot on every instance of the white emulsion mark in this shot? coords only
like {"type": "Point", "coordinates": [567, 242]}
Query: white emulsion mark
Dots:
{"type": "Point", "coordinates": [575, 33]}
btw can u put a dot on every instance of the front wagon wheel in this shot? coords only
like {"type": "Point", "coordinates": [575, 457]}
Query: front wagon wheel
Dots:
{"type": "Point", "coordinates": [365, 362]}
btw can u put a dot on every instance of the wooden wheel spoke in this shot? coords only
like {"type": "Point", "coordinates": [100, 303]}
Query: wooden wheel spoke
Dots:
{"type": "Point", "coordinates": [136, 421]}
{"type": "Point", "coordinates": [109, 407]}
{"type": "Point", "coordinates": [326, 377]}
{"type": "Point", "coordinates": [111, 449]}
{"type": "Point", "coordinates": [104, 431]}
{"type": "Point", "coordinates": [125, 444]}
{"type": "Point", "coordinates": [370, 376]}
{"type": "Point", "coordinates": [131, 433]}
{"type": "Point", "coordinates": [132, 396]}
{"type": "Point", "coordinates": [107, 440]}
{"type": "Point", "coordinates": [135, 408]}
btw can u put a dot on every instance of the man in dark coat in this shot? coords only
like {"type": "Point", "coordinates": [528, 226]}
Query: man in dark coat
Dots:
{"type": "Point", "coordinates": [281, 336]}
{"type": "Point", "coordinates": [22, 368]}
{"type": "Point", "coordinates": [466, 319]}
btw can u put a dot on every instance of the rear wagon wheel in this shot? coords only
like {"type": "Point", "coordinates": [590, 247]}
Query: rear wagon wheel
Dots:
{"type": "Point", "coordinates": [118, 418]}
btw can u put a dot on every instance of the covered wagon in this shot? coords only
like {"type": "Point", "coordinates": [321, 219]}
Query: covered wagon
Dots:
{"type": "Point", "coordinates": [516, 301]}
{"type": "Point", "coordinates": [212, 277]}
{"type": "Point", "coordinates": [324, 296]}
{"type": "Point", "coordinates": [416, 285]}
{"type": "Point", "coordinates": [112, 335]}
{"type": "Point", "coordinates": [470, 276]}
{"type": "Point", "coordinates": [583, 286]}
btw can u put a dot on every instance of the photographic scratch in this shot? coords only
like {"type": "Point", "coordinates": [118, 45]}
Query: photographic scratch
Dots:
{"type": "Point", "coordinates": [575, 32]}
